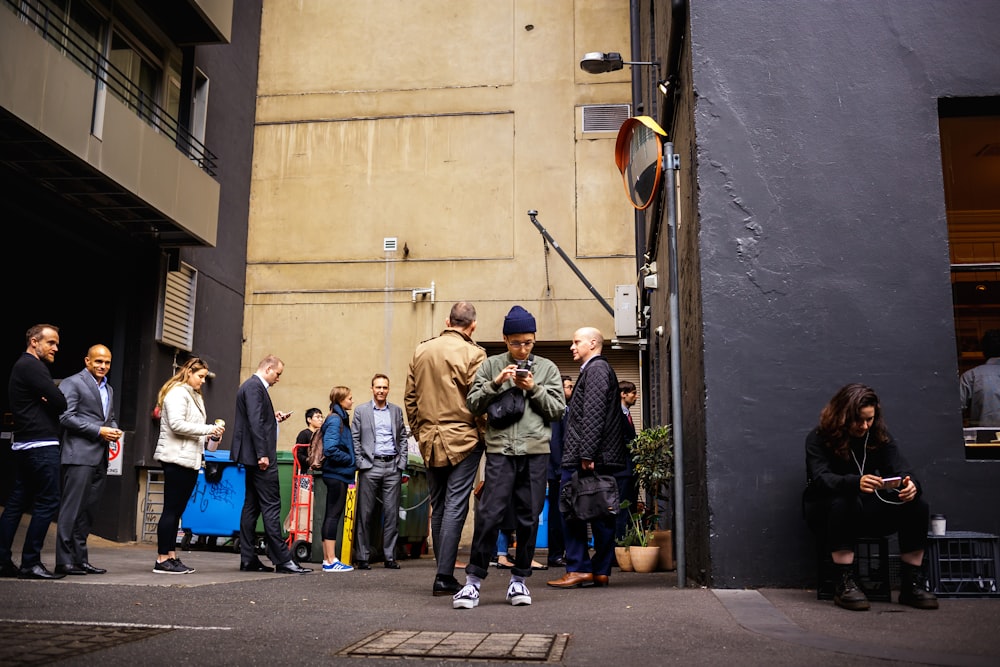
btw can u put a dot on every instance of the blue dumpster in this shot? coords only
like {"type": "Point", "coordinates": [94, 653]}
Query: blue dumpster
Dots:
{"type": "Point", "coordinates": [215, 505]}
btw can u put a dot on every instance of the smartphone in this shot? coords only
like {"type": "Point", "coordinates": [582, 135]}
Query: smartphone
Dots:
{"type": "Point", "coordinates": [523, 372]}
{"type": "Point", "coordinates": [891, 482]}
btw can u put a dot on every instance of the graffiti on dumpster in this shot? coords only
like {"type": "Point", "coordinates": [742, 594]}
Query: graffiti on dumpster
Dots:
{"type": "Point", "coordinates": [220, 492]}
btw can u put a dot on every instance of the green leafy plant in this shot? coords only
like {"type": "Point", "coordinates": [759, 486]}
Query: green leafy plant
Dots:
{"type": "Point", "coordinates": [640, 528]}
{"type": "Point", "coordinates": [653, 455]}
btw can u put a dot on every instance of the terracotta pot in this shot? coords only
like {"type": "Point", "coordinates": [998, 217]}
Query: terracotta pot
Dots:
{"type": "Point", "coordinates": [624, 559]}
{"type": "Point", "coordinates": [665, 540]}
{"type": "Point", "coordinates": [644, 558]}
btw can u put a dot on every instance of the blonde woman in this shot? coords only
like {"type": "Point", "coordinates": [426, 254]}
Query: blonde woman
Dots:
{"type": "Point", "coordinates": [179, 450]}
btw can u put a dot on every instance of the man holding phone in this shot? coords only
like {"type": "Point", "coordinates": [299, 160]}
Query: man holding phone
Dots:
{"type": "Point", "coordinates": [255, 445]}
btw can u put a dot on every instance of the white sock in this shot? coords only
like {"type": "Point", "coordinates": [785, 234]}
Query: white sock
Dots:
{"type": "Point", "coordinates": [516, 578]}
{"type": "Point", "coordinates": [473, 580]}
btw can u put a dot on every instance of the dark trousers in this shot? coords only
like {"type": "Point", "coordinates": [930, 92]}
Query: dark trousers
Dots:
{"type": "Point", "coordinates": [578, 558]}
{"type": "Point", "coordinates": [557, 540]}
{"type": "Point", "coordinates": [450, 489]}
{"type": "Point", "coordinates": [378, 492]}
{"type": "Point", "coordinates": [840, 520]}
{"type": "Point", "coordinates": [36, 478]}
{"type": "Point", "coordinates": [263, 499]}
{"type": "Point", "coordinates": [520, 479]}
{"type": "Point", "coordinates": [178, 483]}
{"type": "Point", "coordinates": [336, 498]}
{"type": "Point", "coordinates": [626, 491]}
{"type": "Point", "coordinates": [82, 487]}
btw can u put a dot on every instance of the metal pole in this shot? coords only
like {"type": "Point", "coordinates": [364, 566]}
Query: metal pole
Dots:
{"type": "Point", "coordinates": [607, 306]}
{"type": "Point", "coordinates": [671, 163]}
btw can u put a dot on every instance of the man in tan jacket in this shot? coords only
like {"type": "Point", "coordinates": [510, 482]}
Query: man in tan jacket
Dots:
{"type": "Point", "coordinates": [441, 373]}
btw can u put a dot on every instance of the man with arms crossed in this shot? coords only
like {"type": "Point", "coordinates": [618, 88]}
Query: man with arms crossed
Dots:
{"type": "Point", "coordinates": [255, 445]}
{"type": "Point", "coordinates": [36, 403]}
{"type": "Point", "coordinates": [441, 373]}
{"type": "Point", "coordinates": [88, 426]}
{"type": "Point", "coordinates": [380, 451]}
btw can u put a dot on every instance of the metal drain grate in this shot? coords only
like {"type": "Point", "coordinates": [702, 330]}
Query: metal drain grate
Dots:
{"type": "Point", "coordinates": [459, 646]}
{"type": "Point", "coordinates": [42, 643]}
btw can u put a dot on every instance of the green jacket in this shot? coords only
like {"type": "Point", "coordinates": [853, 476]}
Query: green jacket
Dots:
{"type": "Point", "coordinates": [545, 404]}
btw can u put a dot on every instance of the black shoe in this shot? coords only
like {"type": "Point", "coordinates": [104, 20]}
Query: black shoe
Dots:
{"type": "Point", "coordinates": [37, 571]}
{"type": "Point", "coordinates": [255, 566]}
{"type": "Point", "coordinates": [70, 569]}
{"type": "Point", "coordinates": [90, 569]}
{"type": "Point", "coordinates": [848, 594]}
{"type": "Point", "coordinates": [291, 567]}
{"type": "Point", "coordinates": [557, 562]}
{"type": "Point", "coordinates": [911, 588]}
{"type": "Point", "coordinates": [362, 565]}
{"type": "Point", "coordinates": [391, 565]}
{"type": "Point", "coordinates": [8, 570]}
{"type": "Point", "coordinates": [444, 585]}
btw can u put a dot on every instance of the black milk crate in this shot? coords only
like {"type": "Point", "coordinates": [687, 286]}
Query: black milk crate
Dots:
{"type": "Point", "coordinates": [963, 564]}
{"type": "Point", "coordinates": [872, 560]}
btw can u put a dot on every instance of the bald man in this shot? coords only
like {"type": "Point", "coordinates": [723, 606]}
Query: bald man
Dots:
{"type": "Point", "coordinates": [89, 426]}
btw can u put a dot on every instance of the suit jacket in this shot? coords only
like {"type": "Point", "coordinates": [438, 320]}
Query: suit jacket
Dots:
{"type": "Point", "coordinates": [81, 439]}
{"type": "Point", "coordinates": [255, 433]}
{"type": "Point", "coordinates": [363, 431]}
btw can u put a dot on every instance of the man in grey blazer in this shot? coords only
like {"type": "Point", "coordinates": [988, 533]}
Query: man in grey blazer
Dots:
{"type": "Point", "coordinates": [88, 426]}
{"type": "Point", "coordinates": [380, 453]}
{"type": "Point", "coordinates": [255, 445]}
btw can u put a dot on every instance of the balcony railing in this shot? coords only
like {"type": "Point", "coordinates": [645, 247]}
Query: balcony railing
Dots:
{"type": "Point", "coordinates": [55, 30]}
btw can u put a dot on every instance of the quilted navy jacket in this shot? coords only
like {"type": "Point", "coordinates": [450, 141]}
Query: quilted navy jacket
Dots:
{"type": "Point", "coordinates": [594, 426]}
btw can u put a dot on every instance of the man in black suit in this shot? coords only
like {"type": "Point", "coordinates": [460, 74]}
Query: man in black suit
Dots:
{"type": "Point", "coordinates": [255, 445]}
{"type": "Point", "coordinates": [88, 426]}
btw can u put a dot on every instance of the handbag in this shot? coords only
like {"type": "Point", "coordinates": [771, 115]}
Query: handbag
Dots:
{"type": "Point", "coordinates": [506, 409]}
{"type": "Point", "coordinates": [589, 497]}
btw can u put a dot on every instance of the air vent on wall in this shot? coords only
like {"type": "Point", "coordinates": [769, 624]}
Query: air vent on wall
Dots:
{"type": "Point", "coordinates": [176, 312]}
{"type": "Point", "coordinates": [605, 117]}
{"type": "Point", "coordinates": [389, 244]}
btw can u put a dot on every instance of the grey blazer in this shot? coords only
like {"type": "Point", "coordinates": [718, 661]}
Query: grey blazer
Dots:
{"type": "Point", "coordinates": [81, 438]}
{"type": "Point", "coordinates": [363, 431]}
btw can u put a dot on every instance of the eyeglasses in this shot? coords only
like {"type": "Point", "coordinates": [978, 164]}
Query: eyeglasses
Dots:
{"type": "Point", "coordinates": [527, 343]}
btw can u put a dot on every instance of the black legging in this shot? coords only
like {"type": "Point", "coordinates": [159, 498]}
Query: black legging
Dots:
{"type": "Point", "coordinates": [178, 483]}
{"type": "Point", "coordinates": [336, 496]}
{"type": "Point", "coordinates": [841, 519]}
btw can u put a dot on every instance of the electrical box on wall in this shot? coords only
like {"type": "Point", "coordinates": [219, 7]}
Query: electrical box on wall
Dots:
{"type": "Point", "coordinates": [625, 311]}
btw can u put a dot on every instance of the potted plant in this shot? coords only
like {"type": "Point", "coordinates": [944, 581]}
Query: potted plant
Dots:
{"type": "Point", "coordinates": [652, 453]}
{"type": "Point", "coordinates": [641, 552]}
{"type": "Point", "coordinates": [622, 545]}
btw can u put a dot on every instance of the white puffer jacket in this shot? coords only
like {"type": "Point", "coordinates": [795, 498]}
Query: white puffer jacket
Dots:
{"type": "Point", "coordinates": [182, 428]}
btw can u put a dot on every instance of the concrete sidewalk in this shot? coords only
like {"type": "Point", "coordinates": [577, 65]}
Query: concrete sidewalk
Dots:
{"type": "Point", "coordinates": [221, 616]}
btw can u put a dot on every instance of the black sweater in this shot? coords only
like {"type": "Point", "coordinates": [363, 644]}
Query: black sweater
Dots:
{"type": "Point", "coordinates": [35, 400]}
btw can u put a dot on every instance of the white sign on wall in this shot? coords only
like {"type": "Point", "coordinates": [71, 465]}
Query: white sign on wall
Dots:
{"type": "Point", "coordinates": [115, 457]}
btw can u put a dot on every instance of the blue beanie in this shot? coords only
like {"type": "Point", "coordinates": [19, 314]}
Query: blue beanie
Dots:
{"type": "Point", "coordinates": [518, 320]}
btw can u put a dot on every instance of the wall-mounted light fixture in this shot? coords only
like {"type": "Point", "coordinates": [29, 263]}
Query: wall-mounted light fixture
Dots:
{"type": "Point", "coordinates": [598, 62]}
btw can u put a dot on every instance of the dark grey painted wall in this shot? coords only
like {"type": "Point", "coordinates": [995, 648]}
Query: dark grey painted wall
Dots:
{"type": "Point", "coordinates": [822, 253]}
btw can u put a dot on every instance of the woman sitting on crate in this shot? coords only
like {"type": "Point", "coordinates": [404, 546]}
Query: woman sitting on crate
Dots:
{"type": "Point", "coordinates": [859, 484]}
{"type": "Point", "coordinates": [179, 450]}
{"type": "Point", "coordinates": [338, 472]}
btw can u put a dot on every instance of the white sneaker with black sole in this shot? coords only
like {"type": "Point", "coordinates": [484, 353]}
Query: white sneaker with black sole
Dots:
{"type": "Point", "coordinates": [467, 598]}
{"type": "Point", "coordinates": [518, 594]}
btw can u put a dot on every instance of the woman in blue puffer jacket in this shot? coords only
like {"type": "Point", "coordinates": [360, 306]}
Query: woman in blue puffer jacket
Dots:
{"type": "Point", "coordinates": [338, 472]}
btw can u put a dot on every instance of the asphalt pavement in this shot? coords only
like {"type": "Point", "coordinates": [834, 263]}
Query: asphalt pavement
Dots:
{"type": "Point", "coordinates": [221, 616]}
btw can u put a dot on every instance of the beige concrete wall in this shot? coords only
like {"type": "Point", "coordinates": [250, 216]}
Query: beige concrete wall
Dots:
{"type": "Point", "coordinates": [439, 124]}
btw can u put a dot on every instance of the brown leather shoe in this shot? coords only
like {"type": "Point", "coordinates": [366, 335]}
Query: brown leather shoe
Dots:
{"type": "Point", "coordinates": [601, 580]}
{"type": "Point", "coordinates": [572, 580]}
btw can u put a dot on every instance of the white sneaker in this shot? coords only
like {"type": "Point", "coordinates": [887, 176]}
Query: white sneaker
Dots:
{"type": "Point", "coordinates": [518, 594]}
{"type": "Point", "coordinates": [467, 598]}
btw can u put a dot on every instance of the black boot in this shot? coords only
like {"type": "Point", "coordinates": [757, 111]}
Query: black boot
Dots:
{"type": "Point", "coordinates": [848, 594]}
{"type": "Point", "coordinates": [912, 589]}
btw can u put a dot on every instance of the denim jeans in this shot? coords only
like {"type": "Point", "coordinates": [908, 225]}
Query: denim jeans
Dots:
{"type": "Point", "coordinates": [36, 478]}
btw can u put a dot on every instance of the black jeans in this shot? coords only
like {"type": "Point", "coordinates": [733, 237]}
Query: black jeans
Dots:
{"type": "Point", "coordinates": [839, 520]}
{"type": "Point", "coordinates": [37, 478]}
{"type": "Point", "coordinates": [178, 483]}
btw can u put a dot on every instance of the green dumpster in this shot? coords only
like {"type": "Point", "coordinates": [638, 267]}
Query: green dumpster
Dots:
{"type": "Point", "coordinates": [414, 512]}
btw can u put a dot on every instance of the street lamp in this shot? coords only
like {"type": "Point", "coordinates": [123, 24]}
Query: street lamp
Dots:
{"type": "Point", "coordinates": [598, 62]}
